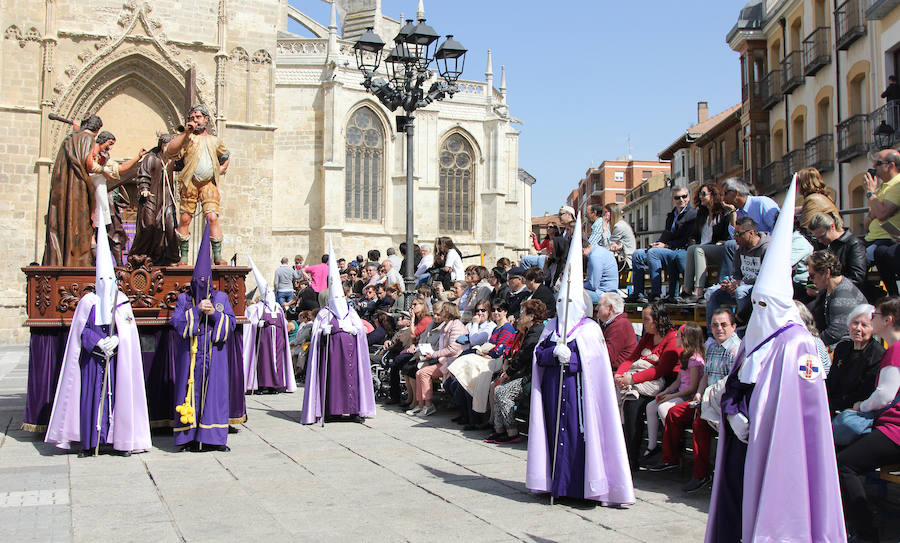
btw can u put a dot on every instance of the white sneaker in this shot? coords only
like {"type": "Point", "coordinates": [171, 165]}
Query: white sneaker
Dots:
{"type": "Point", "coordinates": [429, 410]}
{"type": "Point", "coordinates": [414, 411]}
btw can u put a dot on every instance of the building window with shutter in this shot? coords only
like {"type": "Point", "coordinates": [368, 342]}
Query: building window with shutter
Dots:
{"type": "Point", "coordinates": [363, 183]}
{"type": "Point", "coordinates": [457, 178]}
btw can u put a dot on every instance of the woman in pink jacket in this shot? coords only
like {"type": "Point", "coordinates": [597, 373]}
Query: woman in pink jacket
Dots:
{"type": "Point", "coordinates": [438, 360]}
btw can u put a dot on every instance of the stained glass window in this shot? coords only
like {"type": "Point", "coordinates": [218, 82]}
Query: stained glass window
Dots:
{"type": "Point", "coordinates": [457, 193]}
{"type": "Point", "coordinates": [363, 183]}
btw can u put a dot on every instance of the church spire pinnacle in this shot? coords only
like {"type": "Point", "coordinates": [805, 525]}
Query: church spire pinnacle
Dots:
{"type": "Point", "coordinates": [489, 71]}
{"type": "Point", "coordinates": [503, 83]}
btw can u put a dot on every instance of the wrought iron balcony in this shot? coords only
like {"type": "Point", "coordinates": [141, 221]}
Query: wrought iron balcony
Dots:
{"type": "Point", "coordinates": [853, 138]}
{"type": "Point", "coordinates": [771, 178]}
{"type": "Point", "coordinates": [850, 24]}
{"type": "Point", "coordinates": [889, 114]}
{"type": "Point", "coordinates": [817, 50]}
{"type": "Point", "coordinates": [770, 88]}
{"type": "Point", "coordinates": [794, 161]}
{"type": "Point", "coordinates": [877, 9]}
{"type": "Point", "coordinates": [793, 71]}
{"type": "Point", "coordinates": [820, 152]}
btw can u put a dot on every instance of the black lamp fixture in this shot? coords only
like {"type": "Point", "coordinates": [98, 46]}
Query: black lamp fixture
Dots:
{"type": "Point", "coordinates": [368, 51]}
{"type": "Point", "coordinates": [884, 135]}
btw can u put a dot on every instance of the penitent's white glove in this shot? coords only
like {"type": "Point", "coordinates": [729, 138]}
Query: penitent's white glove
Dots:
{"type": "Point", "coordinates": [325, 329]}
{"type": "Point", "coordinates": [562, 353]}
{"type": "Point", "coordinates": [347, 326]}
{"type": "Point", "coordinates": [740, 425]}
{"type": "Point", "coordinates": [108, 345]}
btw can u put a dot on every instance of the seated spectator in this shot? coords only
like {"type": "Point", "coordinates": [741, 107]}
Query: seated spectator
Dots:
{"type": "Point", "coordinates": [621, 238]}
{"type": "Point", "coordinates": [810, 323]}
{"type": "Point", "coordinates": [479, 327]}
{"type": "Point", "coordinates": [601, 273]}
{"type": "Point", "coordinates": [884, 222]}
{"type": "Point", "coordinates": [543, 248]}
{"type": "Point", "coordinates": [762, 209]}
{"type": "Point", "coordinates": [815, 197]}
{"type": "Point", "coordinates": [800, 249]}
{"type": "Point", "coordinates": [457, 288]}
{"type": "Point", "coordinates": [395, 293]}
{"type": "Point", "coordinates": [391, 274]}
{"type": "Point", "coordinates": [356, 284]}
{"type": "Point", "coordinates": [385, 301]}
{"type": "Point", "coordinates": [429, 341]}
{"type": "Point", "coordinates": [395, 259]}
{"type": "Point", "coordinates": [617, 329]}
{"type": "Point", "coordinates": [437, 361]}
{"type": "Point", "coordinates": [515, 378]}
{"type": "Point", "coordinates": [497, 280]}
{"type": "Point", "coordinates": [504, 263]}
{"type": "Point", "coordinates": [517, 291]}
{"type": "Point", "coordinates": [417, 258]}
{"type": "Point", "coordinates": [306, 299]}
{"type": "Point", "coordinates": [669, 251]}
{"type": "Point", "coordinates": [477, 289]}
{"type": "Point", "coordinates": [599, 230]}
{"type": "Point", "coordinates": [836, 296]}
{"type": "Point", "coordinates": [374, 256]}
{"type": "Point", "coordinates": [856, 362]}
{"type": "Point", "coordinates": [300, 343]}
{"type": "Point", "coordinates": [703, 412]}
{"type": "Point", "coordinates": [714, 226]}
{"type": "Point", "coordinates": [752, 247]}
{"type": "Point", "coordinates": [366, 307]}
{"type": "Point", "coordinates": [881, 446]}
{"type": "Point", "coordinates": [556, 261]}
{"type": "Point", "coordinates": [372, 273]}
{"type": "Point", "coordinates": [470, 383]}
{"type": "Point", "coordinates": [828, 231]}
{"type": "Point", "coordinates": [448, 266]}
{"type": "Point", "coordinates": [420, 319]}
{"type": "Point", "coordinates": [534, 282]}
{"type": "Point", "coordinates": [690, 340]}
{"type": "Point", "coordinates": [427, 261]}
{"type": "Point", "coordinates": [647, 370]}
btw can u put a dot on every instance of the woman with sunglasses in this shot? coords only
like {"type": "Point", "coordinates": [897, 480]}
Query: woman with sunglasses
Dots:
{"type": "Point", "coordinates": [714, 226]}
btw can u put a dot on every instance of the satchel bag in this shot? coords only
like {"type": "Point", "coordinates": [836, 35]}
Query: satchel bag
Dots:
{"type": "Point", "coordinates": [850, 425]}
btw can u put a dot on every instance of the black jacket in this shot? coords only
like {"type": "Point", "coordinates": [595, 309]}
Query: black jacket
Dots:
{"type": "Point", "coordinates": [514, 301]}
{"type": "Point", "coordinates": [720, 230]}
{"type": "Point", "coordinates": [684, 231]}
{"type": "Point", "coordinates": [545, 294]}
{"type": "Point", "coordinates": [520, 365]}
{"type": "Point", "coordinates": [853, 374]}
{"type": "Point", "coordinates": [851, 252]}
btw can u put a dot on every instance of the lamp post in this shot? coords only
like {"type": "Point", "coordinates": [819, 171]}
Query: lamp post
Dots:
{"type": "Point", "coordinates": [408, 71]}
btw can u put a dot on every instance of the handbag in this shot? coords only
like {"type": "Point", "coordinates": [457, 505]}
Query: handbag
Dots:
{"type": "Point", "coordinates": [850, 425]}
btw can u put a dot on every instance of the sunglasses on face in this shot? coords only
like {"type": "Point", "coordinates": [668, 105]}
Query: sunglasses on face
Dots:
{"type": "Point", "coordinates": [680, 197]}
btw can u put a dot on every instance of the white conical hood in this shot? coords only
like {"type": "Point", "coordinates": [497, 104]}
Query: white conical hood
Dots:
{"type": "Point", "coordinates": [105, 285]}
{"type": "Point", "coordinates": [262, 287]}
{"type": "Point", "coordinates": [337, 302]}
{"type": "Point", "coordinates": [570, 308]}
{"type": "Point", "coordinates": [774, 287]}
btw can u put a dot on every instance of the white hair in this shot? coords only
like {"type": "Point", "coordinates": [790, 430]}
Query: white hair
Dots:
{"type": "Point", "coordinates": [861, 309]}
{"type": "Point", "coordinates": [615, 301]}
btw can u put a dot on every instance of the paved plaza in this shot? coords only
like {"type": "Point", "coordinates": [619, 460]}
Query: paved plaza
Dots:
{"type": "Point", "coordinates": [396, 478]}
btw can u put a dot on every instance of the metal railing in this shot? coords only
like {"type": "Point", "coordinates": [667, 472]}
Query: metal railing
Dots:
{"type": "Point", "coordinates": [850, 24]}
{"type": "Point", "coordinates": [852, 136]}
{"type": "Point", "coordinates": [794, 161]}
{"type": "Point", "coordinates": [889, 114]}
{"type": "Point", "coordinates": [878, 9]}
{"type": "Point", "coordinates": [820, 152]}
{"type": "Point", "coordinates": [817, 50]}
{"type": "Point", "coordinates": [771, 178]}
{"type": "Point", "coordinates": [770, 88]}
{"type": "Point", "coordinates": [793, 71]}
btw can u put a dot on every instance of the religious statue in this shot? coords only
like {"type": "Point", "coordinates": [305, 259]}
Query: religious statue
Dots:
{"type": "Point", "coordinates": [156, 220]}
{"type": "Point", "coordinates": [205, 160]}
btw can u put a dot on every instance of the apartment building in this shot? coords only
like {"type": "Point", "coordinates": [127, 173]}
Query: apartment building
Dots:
{"type": "Point", "coordinates": [709, 150]}
{"type": "Point", "coordinates": [610, 182]}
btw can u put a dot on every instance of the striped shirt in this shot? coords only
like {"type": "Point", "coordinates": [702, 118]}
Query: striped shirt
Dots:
{"type": "Point", "coordinates": [599, 235]}
{"type": "Point", "coordinates": [501, 339]}
{"type": "Point", "coordinates": [720, 358]}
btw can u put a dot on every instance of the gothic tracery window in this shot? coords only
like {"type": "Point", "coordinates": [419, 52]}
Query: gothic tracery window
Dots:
{"type": "Point", "coordinates": [364, 166]}
{"type": "Point", "coordinates": [457, 194]}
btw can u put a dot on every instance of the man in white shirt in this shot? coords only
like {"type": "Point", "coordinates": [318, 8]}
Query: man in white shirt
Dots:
{"type": "Point", "coordinates": [391, 275]}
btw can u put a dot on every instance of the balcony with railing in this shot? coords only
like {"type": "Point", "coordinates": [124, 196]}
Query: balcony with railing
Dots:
{"type": "Point", "coordinates": [820, 152]}
{"type": "Point", "coordinates": [793, 71]}
{"type": "Point", "coordinates": [886, 119]}
{"type": "Point", "coordinates": [850, 24]}
{"type": "Point", "coordinates": [771, 178]}
{"type": "Point", "coordinates": [878, 9]}
{"type": "Point", "coordinates": [770, 88]}
{"type": "Point", "coordinates": [853, 137]}
{"type": "Point", "coordinates": [794, 161]}
{"type": "Point", "coordinates": [817, 50]}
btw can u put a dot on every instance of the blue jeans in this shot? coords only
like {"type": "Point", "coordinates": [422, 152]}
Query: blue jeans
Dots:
{"type": "Point", "coordinates": [728, 259]}
{"type": "Point", "coordinates": [530, 261]}
{"type": "Point", "coordinates": [718, 297]}
{"type": "Point", "coordinates": [655, 259]}
{"type": "Point", "coordinates": [282, 296]}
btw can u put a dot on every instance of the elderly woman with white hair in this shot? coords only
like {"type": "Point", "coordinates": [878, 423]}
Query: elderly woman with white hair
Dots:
{"type": "Point", "coordinates": [856, 362]}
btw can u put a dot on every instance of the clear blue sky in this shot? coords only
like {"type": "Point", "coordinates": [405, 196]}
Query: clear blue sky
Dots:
{"type": "Point", "coordinates": [585, 75]}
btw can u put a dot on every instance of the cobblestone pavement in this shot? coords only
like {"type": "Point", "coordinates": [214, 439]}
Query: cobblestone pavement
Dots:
{"type": "Point", "coordinates": [395, 478]}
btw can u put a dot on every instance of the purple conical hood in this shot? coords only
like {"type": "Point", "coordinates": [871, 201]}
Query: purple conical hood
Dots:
{"type": "Point", "coordinates": [201, 281]}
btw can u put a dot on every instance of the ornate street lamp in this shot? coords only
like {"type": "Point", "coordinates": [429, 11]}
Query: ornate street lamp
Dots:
{"type": "Point", "coordinates": [884, 135]}
{"type": "Point", "coordinates": [407, 67]}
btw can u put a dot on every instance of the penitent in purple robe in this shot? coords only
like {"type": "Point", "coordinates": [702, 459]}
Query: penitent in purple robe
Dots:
{"type": "Point", "coordinates": [267, 356]}
{"type": "Point", "coordinates": [345, 365]}
{"type": "Point", "coordinates": [591, 462]}
{"type": "Point", "coordinates": [211, 368]}
{"type": "Point", "coordinates": [93, 366]}
{"type": "Point", "coordinates": [783, 484]}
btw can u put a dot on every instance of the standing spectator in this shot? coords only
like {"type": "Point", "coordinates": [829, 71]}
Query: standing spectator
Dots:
{"type": "Point", "coordinates": [395, 259]}
{"type": "Point", "coordinates": [856, 362]}
{"type": "Point", "coordinates": [892, 92]}
{"type": "Point", "coordinates": [284, 282]}
{"type": "Point", "coordinates": [298, 263]}
{"type": "Point", "coordinates": [828, 230]}
{"type": "Point", "coordinates": [617, 329]}
{"type": "Point", "coordinates": [747, 262]}
{"type": "Point", "coordinates": [883, 201]}
{"type": "Point", "coordinates": [714, 227]}
{"type": "Point", "coordinates": [837, 296]}
{"type": "Point", "coordinates": [602, 273]}
{"type": "Point", "coordinates": [374, 256]}
{"type": "Point", "coordinates": [817, 197]}
{"type": "Point", "coordinates": [417, 258]}
{"type": "Point", "coordinates": [670, 251]}
{"type": "Point", "coordinates": [556, 260]}
{"type": "Point", "coordinates": [599, 231]}
{"type": "Point", "coordinates": [517, 291]}
{"type": "Point", "coordinates": [566, 222]}
{"type": "Point", "coordinates": [534, 281]}
{"type": "Point", "coordinates": [318, 274]}
{"type": "Point", "coordinates": [621, 237]}
{"type": "Point", "coordinates": [881, 446]}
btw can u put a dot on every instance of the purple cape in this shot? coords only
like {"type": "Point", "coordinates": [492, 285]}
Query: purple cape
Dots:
{"type": "Point", "coordinates": [312, 398]}
{"type": "Point", "coordinates": [790, 484]}
{"type": "Point", "coordinates": [280, 359]}
{"type": "Point", "coordinates": [607, 477]}
{"type": "Point", "coordinates": [129, 427]}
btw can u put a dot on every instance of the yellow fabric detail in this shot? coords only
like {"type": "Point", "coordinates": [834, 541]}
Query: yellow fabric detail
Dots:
{"type": "Point", "coordinates": [35, 428]}
{"type": "Point", "coordinates": [240, 420]}
{"type": "Point", "coordinates": [186, 410]}
{"type": "Point", "coordinates": [222, 318]}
